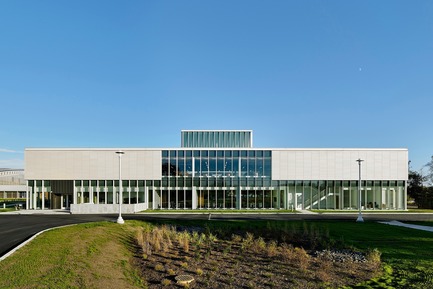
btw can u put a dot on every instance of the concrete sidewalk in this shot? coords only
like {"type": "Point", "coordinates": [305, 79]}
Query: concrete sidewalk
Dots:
{"type": "Point", "coordinates": [417, 227]}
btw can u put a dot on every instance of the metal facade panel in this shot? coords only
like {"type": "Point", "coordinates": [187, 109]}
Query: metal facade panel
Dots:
{"type": "Point", "coordinates": [92, 164]}
{"type": "Point", "coordinates": [339, 164]}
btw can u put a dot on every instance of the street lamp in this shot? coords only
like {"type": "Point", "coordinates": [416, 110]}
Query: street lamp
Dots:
{"type": "Point", "coordinates": [360, 219]}
{"type": "Point", "coordinates": [120, 219]}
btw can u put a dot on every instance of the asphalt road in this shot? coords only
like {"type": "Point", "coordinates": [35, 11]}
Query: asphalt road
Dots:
{"type": "Point", "coordinates": [15, 229]}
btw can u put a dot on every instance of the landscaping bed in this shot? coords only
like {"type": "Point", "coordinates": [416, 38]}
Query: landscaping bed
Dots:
{"type": "Point", "coordinates": [246, 261]}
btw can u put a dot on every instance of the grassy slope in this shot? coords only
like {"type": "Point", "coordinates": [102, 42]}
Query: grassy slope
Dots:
{"type": "Point", "coordinates": [82, 256]}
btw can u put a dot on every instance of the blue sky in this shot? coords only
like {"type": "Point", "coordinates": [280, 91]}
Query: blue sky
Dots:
{"type": "Point", "coordinates": [134, 73]}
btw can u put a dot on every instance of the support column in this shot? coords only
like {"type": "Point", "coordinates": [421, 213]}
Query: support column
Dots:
{"type": "Point", "coordinates": [81, 193]}
{"type": "Point", "coordinates": [137, 194]}
{"type": "Point", "coordinates": [194, 198]}
{"type": "Point", "coordinates": [146, 196]}
{"type": "Point", "coordinates": [74, 197]}
{"type": "Point", "coordinates": [27, 195]}
{"type": "Point", "coordinates": [90, 193]}
{"type": "Point", "coordinates": [128, 189]}
{"type": "Point", "coordinates": [43, 196]}
{"type": "Point", "coordinates": [35, 194]}
{"type": "Point", "coordinates": [295, 199]}
{"type": "Point", "coordinates": [238, 198]}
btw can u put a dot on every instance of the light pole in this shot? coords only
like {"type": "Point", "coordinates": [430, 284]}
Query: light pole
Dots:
{"type": "Point", "coordinates": [120, 219]}
{"type": "Point", "coordinates": [360, 219]}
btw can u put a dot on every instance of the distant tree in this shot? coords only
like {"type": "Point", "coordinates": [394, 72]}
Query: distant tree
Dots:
{"type": "Point", "coordinates": [420, 186]}
{"type": "Point", "coordinates": [415, 187]}
{"type": "Point", "coordinates": [429, 175]}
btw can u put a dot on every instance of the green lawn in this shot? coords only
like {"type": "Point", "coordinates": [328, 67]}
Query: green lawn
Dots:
{"type": "Point", "coordinates": [82, 256]}
{"type": "Point", "coordinates": [98, 255]}
{"type": "Point", "coordinates": [6, 210]}
{"type": "Point", "coordinates": [219, 211]}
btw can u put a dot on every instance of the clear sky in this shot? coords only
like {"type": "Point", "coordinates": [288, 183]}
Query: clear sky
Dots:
{"type": "Point", "coordinates": [134, 73]}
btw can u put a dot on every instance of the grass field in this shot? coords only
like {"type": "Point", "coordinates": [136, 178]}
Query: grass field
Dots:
{"type": "Point", "coordinates": [100, 255]}
{"type": "Point", "coordinates": [7, 210]}
{"type": "Point", "coordinates": [220, 211]}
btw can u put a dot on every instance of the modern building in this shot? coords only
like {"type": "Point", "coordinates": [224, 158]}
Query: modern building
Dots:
{"type": "Point", "coordinates": [215, 170]}
{"type": "Point", "coordinates": [12, 187]}
{"type": "Point", "coordinates": [12, 184]}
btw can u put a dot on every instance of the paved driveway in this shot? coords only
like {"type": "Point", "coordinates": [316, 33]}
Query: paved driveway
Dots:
{"type": "Point", "coordinates": [14, 229]}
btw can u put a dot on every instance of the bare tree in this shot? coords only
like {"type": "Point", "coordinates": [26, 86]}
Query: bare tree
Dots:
{"type": "Point", "coordinates": [429, 175]}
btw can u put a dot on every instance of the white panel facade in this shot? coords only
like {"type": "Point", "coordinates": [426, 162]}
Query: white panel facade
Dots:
{"type": "Point", "coordinates": [92, 164]}
{"type": "Point", "coordinates": [339, 164]}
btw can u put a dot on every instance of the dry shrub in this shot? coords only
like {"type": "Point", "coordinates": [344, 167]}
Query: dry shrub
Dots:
{"type": "Point", "coordinates": [373, 258]}
{"type": "Point", "coordinates": [143, 238]}
{"type": "Point", "coordinates": [212, 238]}
{"type": "Point", "coordinates": [183, 265]}
{"type": "Point", "coordinates": [159, 267]}
{"type": "Point", "coordinates": [272, 249]}
{"type": "Point", "coordinates": [199, 271]}
{"type": "Point", "coordinates": [258, 245]}
{"type": "Point", "coordinates": [236, 238]}
{"type": "Point", "coordinates": [247, 242]}
{"type": "Point", "coordinates": [322, 275]}
{"type": "Point", "coordinates": [297, 256]}
{"type": "Point", "coordinates": [351, 268]}
{"type": "Point", "coordinates": [301, 258]}
{"type": "Point", "coordinates": [324, 266]}
{"type": "Point", "coordinates": [286, 252]}
{"type": "Point", "coordinates": [167, 233]}
{"type": "Point", "coordinates": [165, 282]}
{"type": "Point", "coordinates": [156, 239]}
{"type": "Point", "coordinates": [183, 240]}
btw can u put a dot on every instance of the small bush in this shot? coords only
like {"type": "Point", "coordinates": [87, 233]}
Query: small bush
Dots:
{"type": "Point", "coordinates": [199, 272]}
{"type": "Point", "coordinates": [183, 240]}
{"type": "Point", "coordinates": [171, 272]}
{"type": "Point", "coordinates": [373, 258]}
{"type": "Point", "coordinates": [286, 253]}
{"type": "Point", "coordinates": [159, 267]}
{"type": "Point", "coordinates": [184, 264]}
{"type": "Point", "coordinates": [302, 258]}
{"type": "Point", "coordinates": [212, 238]}
{"type": "Point", "coordinates": [272, 249]}
{"type": "Point", "coordinates": [247, 242]}
{"type": "Point", "coordinates": [236, 238]}
{"type": "Point", "coordinates": [258, 245]}
{"type": "Point", "coordinates": [165, 282]}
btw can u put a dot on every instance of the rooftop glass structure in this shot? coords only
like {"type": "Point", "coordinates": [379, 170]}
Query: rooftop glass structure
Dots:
{"type": "Point", "coordinates": [216, 138]}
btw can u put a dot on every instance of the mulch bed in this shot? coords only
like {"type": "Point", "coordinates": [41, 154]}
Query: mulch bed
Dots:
{"type": "Point", "coordinates": [227, 264]}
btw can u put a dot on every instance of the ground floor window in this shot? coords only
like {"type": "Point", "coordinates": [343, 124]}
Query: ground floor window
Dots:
{"type": "Point", "coordinates": [307, 195]}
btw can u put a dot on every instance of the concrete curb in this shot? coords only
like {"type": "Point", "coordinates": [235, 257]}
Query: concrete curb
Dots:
{"type": "Point", "coordinates": [29, 240]}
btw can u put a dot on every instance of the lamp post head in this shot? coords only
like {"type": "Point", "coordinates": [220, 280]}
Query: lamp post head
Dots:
{"type": "Point", "coordinates": [359, 161]}
{"type": "Point", "coordinates": [120, 153]}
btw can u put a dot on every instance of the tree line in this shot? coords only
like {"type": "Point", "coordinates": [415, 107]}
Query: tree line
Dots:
{"type": "Point", "coordinates": [420, 186]}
